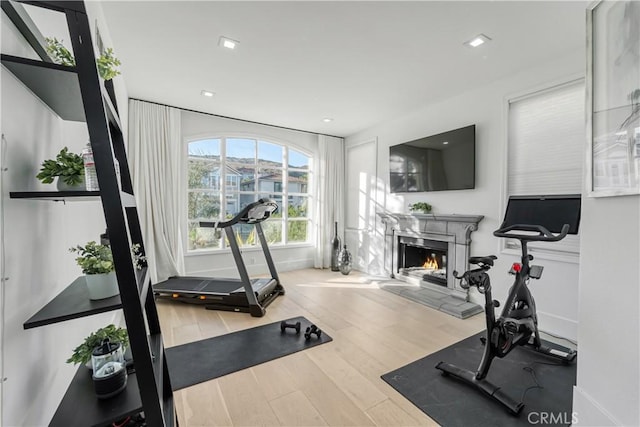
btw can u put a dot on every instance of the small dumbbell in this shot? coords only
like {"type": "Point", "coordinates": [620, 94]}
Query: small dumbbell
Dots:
{"type": "Point", "coordinates": [312, 330]}
{"type": "Point", "coordinates": [284, 325]}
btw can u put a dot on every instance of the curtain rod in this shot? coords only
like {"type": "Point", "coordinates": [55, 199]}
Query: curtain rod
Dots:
{"type": "Point", "coordinates": [234, 118]}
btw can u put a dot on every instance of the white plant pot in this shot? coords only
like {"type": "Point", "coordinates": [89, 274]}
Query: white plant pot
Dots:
{"type": "Point", "coordinates": [63, 186]}
{"type": "Point", "coordinates": [102, 286]}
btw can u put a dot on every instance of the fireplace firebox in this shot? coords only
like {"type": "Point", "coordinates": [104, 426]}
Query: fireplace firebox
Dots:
{"type": "Point", "coordinates": [423, 259]}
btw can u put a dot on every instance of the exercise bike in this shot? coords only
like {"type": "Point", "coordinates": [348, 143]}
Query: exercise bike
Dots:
{"type": "Point", "coordinates": [518, 322]}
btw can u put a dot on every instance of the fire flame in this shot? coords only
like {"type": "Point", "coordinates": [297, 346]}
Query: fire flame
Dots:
{"type": "Point", "coordinates": [431, 264]}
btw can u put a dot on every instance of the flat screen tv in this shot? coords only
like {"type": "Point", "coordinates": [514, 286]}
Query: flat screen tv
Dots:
{"type": "Point", "coordinates": [445, 161]}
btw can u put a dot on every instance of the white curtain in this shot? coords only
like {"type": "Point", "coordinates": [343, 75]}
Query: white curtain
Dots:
{"type": "Point", "coordinates": [329, 190]}
{"type": "Point", "coordinates": [155, 158]}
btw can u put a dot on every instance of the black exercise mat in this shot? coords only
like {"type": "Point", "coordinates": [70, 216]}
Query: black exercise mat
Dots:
{"type": "Point", "coordinates": [452, 403]}
{"type": "Point", "coordinates": [211, 358]}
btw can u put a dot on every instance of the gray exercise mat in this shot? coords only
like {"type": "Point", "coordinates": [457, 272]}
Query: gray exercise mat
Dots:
{"type": "Point", "coordinates": [546, 384]}
{"type": "Point", "coordinates": [211, 358]}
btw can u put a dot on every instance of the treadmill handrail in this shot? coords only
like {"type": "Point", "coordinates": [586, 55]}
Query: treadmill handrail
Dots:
{"type": "Point", "coordinates": [253, 213]}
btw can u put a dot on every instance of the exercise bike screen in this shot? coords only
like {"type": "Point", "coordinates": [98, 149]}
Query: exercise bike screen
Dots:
{"type": "Point", "coordinates": [552, 212]}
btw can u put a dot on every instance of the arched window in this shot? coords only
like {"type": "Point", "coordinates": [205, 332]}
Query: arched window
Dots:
{"type": "Point", "coordinates": [227, 173]}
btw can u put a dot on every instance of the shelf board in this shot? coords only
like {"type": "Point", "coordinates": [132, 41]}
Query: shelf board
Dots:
{"type": "Point", "coordinates": [80, 406]}
{"type": "Point", "coordinates": [72, 303]}
{"type": "Point", "coordinates": [56, 196]}
{"type": "Point", "coordinates": [56, 85]}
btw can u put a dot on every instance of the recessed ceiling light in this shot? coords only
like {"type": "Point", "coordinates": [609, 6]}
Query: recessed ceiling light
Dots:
{"type": "Point", "coordinates": [228, 43]}
{"type": "Point", "coordinates": [327, 119]}
{"type": "Point", "coordinates": [207, 93]}
{"type": "Point", "coordinates": [477, 40]}
{"type": "Point", "coordinates": [445, 142]}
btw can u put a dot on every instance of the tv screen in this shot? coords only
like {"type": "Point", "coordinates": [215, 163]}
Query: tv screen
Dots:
{"type": "Point", "coordinates": [445, 161]}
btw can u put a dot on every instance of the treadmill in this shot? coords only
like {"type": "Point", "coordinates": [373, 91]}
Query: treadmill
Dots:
{"type": "Point", "coordinates": [244, 294]}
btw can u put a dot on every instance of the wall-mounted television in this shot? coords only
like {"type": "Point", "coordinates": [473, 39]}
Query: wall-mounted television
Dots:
{"type": "Point", "coordinates": [446, 161]}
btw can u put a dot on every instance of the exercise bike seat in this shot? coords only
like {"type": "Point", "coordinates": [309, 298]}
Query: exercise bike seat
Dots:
{"type": "Point", "coordinates": [486, 260]}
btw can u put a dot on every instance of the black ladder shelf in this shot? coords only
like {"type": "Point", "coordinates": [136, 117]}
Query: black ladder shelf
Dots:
{"type": "Point", "coordinates": [149, 388]}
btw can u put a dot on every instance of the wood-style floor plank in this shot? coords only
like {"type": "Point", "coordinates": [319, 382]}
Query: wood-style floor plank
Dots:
{"type": "Point", "coordinates": [335, 384]}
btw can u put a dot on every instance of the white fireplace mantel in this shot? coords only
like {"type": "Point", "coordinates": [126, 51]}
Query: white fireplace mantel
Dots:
{"type": "Point", "coordinates": [451, 228]}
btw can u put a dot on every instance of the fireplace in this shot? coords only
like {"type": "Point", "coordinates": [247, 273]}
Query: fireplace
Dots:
{"type": "Point", "coordinates": [423, 259]}
{"type": "Point", "coordinates": [412, 240]}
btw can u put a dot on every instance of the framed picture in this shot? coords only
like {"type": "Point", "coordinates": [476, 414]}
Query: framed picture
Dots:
{"type": "Point", "coordinates": [613, 98]}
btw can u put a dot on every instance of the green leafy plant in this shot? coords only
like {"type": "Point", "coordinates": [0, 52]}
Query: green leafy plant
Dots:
{"type": "Point", "coordinates": [68, 166]}
{"type": "Point", "coordinates": [82, 353]}
{"type": "Point", "coordinates": [107, 62]}
{"type": "Point", "coordinates": [59, 53]}
{"type": "Point", "coordinates": [420, 207]}
{"type": "Point", "coordinates": [94, 258]}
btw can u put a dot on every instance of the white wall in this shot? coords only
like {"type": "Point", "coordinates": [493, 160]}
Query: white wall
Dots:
{"type": "Point", "coordinates": [556, 294]}
{"type": "Point", "coordinates": [221, 264]}
{"type": "Point", "coordinates": [608, 388]}
{"type": "Point", "coordinates": [37, 235]}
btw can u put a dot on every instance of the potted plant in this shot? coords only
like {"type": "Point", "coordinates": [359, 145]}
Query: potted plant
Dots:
{"type": "Point", "coordinates": [67, 167]}
{"type": "Point", "coordinates": [82, 353]}
{"type": "Point", "coordinates": [96, 262]}
{"type": "Point", "coordinates": [107, 62]}
{"type": "Point", "coordinates": [420, 207]}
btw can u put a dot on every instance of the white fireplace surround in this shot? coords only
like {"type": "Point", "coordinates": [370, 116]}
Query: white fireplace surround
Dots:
{"type": "Point", "coordinates": [453, 229]}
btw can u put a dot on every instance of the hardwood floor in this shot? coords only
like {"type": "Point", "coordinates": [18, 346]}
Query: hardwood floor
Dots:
{"type": "Point", "coordinates": [335, 384]}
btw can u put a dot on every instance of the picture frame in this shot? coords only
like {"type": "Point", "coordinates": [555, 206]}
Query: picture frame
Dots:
{"type": "Point", "coordinates": [613, 98]}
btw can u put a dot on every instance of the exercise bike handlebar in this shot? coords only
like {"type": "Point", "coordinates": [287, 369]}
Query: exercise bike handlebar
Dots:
{"type": "Point", "coordinates": [543, 235]}
{"type": "Point", "coordinates": [254, 212]}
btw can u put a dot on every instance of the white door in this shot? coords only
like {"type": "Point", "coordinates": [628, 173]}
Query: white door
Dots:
{"type": "Point", "coordinates": [361, 171]}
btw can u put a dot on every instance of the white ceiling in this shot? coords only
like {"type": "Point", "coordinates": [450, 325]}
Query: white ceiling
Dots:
{"type": "Point", "coordinates": [357, 62]}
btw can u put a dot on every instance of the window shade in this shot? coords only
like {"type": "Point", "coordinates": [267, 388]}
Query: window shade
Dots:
{"type": "Point", "coordinates": [547, 135]}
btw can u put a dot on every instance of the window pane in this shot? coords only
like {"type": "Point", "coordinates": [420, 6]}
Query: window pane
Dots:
{"type": "Point", "coordinates": [203, 238]}
{"type": "Point", "coordinates": [205, 149]}
{"type": "Point", "coordinates": [298, 182]}
{"type": "Point", "coordinates": [269, 154]}
{"type": "Point", "coordinates": [246, 178]}
{"type": "Point", "coordinates": [270, 180]}
{"type": "Point", "coordinates": [204, 174]}
{"type": "Point", "coordinates": [297, 231]}
{"type": "Point", "coordinates": [245, 235]}
{"type": "Point", "coordinates": [203, 205]}
{"type": "Point", "coordinates": [241, 152]}
{"type": "Point", "coordinates": [272, 231]}
{"type": "Point", "coordinates": [297, 207]}
{"type": "Point", "coordinates": [298, 160]}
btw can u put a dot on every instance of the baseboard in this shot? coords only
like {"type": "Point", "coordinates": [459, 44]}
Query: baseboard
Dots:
{"type": "Point", "coordinates": [587, 412]}
{"type": "Point", "coordinates": [558, 325]}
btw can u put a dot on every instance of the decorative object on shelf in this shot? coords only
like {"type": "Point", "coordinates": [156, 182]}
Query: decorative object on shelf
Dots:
{"type": "Point", "coordinates": [420, 207]}
{"type": "Point", "coordinates": [67, 167]}
{"type": "Point", "coordinates": [90, 175]}
{"type": "Point", "coordinates": [82, 353]}
{"type": "Point", "coordinates": [107, 62]}
{"type": "Point", "coordinates": [109, 369]}
{"type": "Point", "coordinates": [335, 248]}
{"type": "Point", "coordinates": [139, 260]}
{"type": "Point", "coordinates": [96, 262]}
{"type": "Point", "coordinates": [345, 261]}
